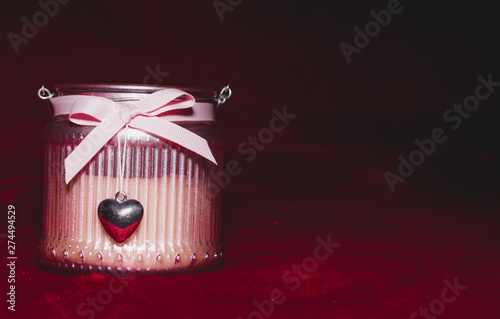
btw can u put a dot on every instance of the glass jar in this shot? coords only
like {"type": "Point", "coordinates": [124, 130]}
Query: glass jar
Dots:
{"type": "Point", "coordinates": [180, 227]}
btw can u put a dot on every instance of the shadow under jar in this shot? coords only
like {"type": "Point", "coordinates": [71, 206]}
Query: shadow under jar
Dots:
{"type": "Point", "coordinates": [180, 228]}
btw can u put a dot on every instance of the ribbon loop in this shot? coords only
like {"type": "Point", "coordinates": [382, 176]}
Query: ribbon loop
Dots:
{"type": "Point", "coordinates": [154, 104]}
{"type": "Point", "coordinates": [110, 117]}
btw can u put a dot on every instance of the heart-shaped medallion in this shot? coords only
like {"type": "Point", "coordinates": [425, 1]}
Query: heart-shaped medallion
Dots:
{"type": "Point", "coordinates": [120, 217]}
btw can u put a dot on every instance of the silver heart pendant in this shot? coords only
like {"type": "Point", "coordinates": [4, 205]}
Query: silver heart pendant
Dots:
{"type": "Point", "coordinates": [120, 217]}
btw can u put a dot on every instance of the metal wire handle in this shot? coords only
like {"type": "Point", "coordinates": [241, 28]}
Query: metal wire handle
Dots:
{"type": "Point", "coordinates": [224, 95]}
{"type": "Point", "coordinates": [44, 93]}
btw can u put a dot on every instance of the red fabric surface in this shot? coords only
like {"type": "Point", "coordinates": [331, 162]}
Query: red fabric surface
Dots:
{"type": "Point", "coordinates": [396, 250]}
{"type": "Point", "coordinates": [321, 177]}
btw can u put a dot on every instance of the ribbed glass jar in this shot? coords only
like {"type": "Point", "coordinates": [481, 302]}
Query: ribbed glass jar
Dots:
{"type": "Point", "coordinates": [180, 228]}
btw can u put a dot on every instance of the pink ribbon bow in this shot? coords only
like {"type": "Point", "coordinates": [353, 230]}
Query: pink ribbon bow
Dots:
{"type": "Point", "coordinates": [110, 117]}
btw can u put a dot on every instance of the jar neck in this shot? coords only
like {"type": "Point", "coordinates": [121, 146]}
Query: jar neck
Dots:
{"type": "Point", "coordinates": [129, 92]}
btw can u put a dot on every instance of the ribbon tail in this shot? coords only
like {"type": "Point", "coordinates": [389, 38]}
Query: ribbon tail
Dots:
{"type": "Point", "coordinates": [91, 145]}
{"type": "Point", "coordinates": [176, 134]}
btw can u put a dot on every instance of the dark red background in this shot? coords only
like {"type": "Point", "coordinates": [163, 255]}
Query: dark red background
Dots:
{"type": "Point", "coordinates": [322, 176]}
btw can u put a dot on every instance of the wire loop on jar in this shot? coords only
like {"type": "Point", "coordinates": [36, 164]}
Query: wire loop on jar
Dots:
{"type": "Point", "coordinates": [44, 93]}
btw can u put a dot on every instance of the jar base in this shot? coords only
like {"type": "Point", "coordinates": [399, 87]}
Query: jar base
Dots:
{"type": "Point", "coordinates": [73, 269]}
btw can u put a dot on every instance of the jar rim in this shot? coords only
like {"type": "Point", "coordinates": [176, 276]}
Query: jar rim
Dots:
{"type": "Point", "coordinates": [127, 91]}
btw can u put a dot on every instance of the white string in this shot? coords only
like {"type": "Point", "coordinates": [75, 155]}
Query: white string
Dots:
{"type": "Point", "coordinates": [122, 160]}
